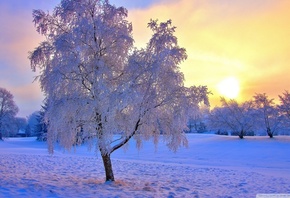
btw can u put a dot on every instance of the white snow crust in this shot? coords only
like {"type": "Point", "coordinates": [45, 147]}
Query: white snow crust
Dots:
{"type": "Point", "coordinates": [212, 166]}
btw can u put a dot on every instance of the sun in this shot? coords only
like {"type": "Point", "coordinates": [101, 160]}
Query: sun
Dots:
{"type": "Point", "coordinates": [229, 87]}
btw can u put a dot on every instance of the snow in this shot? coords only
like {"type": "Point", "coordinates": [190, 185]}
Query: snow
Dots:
{"type": "Point", "coordinates": [212, 166]}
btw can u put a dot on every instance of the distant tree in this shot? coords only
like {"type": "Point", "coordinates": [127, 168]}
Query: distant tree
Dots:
{"type": "Point", "coordinates": [197, 122]}
{"type": "Point", "coordinates": [41, 127]}
{"type": "Point", "coordinates": [284, 109]}
{"type": "Point", "coordinates": [28, 130]}
{"type": "Point", "coordinates": [285, 104]}
{"type": "Point", "coordinates": [8, 111]}
{"type": "Point", "coordinates": [234, 117]}
{"type": "Point", "coordinates": [94, 78]}
{"type": "Point", "coordinates": [32, 123]}
{"type": "Point", "coordinates": [21, 124]}
{"type": "Point", "coordinates": [267, 113]}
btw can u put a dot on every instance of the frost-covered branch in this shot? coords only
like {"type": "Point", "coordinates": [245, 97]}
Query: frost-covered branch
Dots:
{"type": "Point", "coordinates": [95, 79]}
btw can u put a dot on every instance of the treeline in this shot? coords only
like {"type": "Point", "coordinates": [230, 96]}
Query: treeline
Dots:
{"type": "Point", "coordinates": [12, 126]}
{"type": "Point", "coordinates": [258, 116]}
{"type": "Point", "coordinates": [9, 124]}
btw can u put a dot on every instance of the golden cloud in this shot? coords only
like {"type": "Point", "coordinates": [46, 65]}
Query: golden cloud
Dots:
{"type": "Point", "coordinates": [248, 40]}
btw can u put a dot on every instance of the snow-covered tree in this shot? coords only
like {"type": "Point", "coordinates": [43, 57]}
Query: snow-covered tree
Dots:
{"type": "Point", "coordinates": [40, 128]}
{"type": "Point", "coordinates": [21, 124]}
{"type": "Point", "coordinates": [32, 122]}
{"type": "Point", "coordinates": [284, 109]}
{"type": "Point", "coordinates": [28, 130]}
{"type": "Point", "coordinates": [197, 122]}
{"type": "Point", "coordinates": [285, 104]}
{"type": "Point", "coordinates": [96, 82]}
{"type": "Point", "coordinates": [233, 116]}
{"type": "Point", "coordinates": [8, 111]}
{"type": "Point", "coordinates": [267, 114]}
{"type": "Point", "coordinates": [36, 124]}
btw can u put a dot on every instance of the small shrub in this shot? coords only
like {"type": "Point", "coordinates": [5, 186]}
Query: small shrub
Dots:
{"type": "Point", "coordinates": [222, 132]}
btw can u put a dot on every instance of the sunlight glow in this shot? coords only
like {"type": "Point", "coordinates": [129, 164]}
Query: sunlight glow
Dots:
{"type": "Point", "coordinates": [229, 87]}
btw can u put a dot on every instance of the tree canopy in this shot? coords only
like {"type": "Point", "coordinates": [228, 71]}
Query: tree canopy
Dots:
{"type": "Point", "coordinates": [234, 117]}
{"type": "Point", "coordinates": [97, 84]}
{"type": "Point", "coordinates": [8, 111]}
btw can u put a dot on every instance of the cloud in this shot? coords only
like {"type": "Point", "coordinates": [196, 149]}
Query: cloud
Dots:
{"type": "Point", "coordinates": [246, 39]}
{"type": "Point", "coordinates": [17, 37]}
{"type": "Point", "coordinates": [134, 4]}
{"type": "Point", "coordinates": [28, 98]}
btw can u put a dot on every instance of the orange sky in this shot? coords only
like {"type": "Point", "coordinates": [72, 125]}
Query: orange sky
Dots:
{"type": "Point", "coordinates": [247, 40]}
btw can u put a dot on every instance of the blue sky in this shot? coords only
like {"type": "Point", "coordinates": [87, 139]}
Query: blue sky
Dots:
{"type": "Point", "coordinates": [225, 39]}
{"type": "Point", "coordinates": [17, 37]}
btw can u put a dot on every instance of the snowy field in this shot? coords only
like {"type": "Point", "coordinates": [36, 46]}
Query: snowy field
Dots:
{"type": "Point", "coordinates": [212, 166]}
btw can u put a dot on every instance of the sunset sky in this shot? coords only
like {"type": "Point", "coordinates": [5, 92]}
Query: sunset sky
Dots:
{"type": "Point", "coordinates": [242, 46]}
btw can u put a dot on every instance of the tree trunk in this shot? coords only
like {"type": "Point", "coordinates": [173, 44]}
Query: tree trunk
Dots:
{"type": "Point", "coordinates": [108, 167]}
{"type": "Point", "coordinates": [269, 132]}
{"type": "Point", "coordinates": [241, 135]}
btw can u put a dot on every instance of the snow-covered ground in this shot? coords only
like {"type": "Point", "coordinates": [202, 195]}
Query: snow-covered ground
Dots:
{"type": "Point", "coordinates": [212, 166]}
